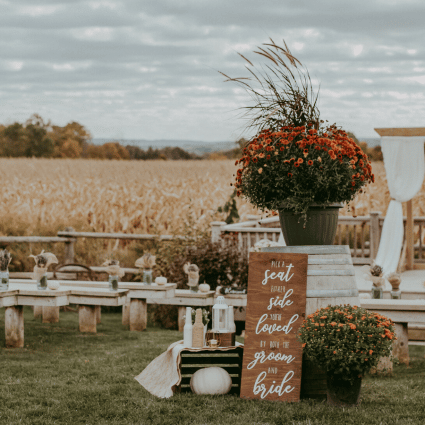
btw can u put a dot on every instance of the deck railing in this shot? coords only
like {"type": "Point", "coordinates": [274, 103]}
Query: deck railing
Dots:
{"type": "Point", "coordinates": [361, 234]}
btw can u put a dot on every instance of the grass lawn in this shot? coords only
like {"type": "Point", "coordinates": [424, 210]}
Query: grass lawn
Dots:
{"type": "Point", "coordinates": [65, 377]}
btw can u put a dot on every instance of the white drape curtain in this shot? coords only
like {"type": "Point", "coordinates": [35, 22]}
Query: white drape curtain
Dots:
{"type": "Point", "coordinates": [404, 167]}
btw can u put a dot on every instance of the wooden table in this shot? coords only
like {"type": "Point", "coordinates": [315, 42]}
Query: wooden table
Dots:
{"type": "Point", "coordinates": [186, 298]}
{"type": "Point", "coordinates": [14, 302]}
{"type": "Point", "coordinates": [134, 307]}
{"type": "Point", "coordinates": [135, 314]}
{"type": "Point", "coordinates": [90, 299]}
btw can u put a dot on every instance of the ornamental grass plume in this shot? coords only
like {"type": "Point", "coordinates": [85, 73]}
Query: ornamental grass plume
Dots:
{"type": "Point", "coordinates": [345, 340]}
{"type": "Point", "coordinates": [294, 161]}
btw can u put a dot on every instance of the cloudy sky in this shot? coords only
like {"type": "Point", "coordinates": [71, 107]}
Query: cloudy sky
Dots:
{"type": "Point", "coordinates": [148, 69]}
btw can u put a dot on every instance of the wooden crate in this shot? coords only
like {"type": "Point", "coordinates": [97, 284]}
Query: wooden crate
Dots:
{"type": "Point", "coordinates": [230, 360]}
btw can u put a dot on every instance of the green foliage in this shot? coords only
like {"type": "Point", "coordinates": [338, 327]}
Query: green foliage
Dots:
{"type": "Point", "coordinates": [346, 340]}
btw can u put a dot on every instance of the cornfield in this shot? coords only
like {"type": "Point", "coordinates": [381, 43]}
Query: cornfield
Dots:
{"type": "Point", "coordinates": [152, 197]}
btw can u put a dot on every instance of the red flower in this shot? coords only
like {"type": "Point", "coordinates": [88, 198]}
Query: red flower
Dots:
{"type": "Point", "coordinates": [310, 162]}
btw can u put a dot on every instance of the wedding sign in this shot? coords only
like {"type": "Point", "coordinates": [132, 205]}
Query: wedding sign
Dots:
{"type": "Point", "coordinates": [275, 310]}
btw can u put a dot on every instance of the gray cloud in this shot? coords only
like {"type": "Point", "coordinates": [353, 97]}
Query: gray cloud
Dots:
{"type": "Point", "coordinates": [148, 69]}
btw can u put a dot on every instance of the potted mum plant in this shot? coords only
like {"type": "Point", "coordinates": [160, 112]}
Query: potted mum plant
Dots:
{"type": "Point", "coordinates": [346, 342]}
{"type": "Point", "coordinates": [295, 164]}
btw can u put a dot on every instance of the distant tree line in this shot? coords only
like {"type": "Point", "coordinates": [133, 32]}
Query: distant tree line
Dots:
{"type": "Point", "coordinates": [37, 138]}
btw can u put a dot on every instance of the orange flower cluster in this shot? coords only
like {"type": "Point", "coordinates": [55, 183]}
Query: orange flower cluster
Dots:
{"type": "Point", "coordinates": [299, 156]}
{"type": "Point", "coordinates": [341, 338]}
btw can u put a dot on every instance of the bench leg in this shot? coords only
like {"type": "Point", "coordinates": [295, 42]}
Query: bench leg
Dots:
{"type": "Point", "coordinates": [38, 312]}
{"type": "Point", "coordinates": [181, 320]}
{"type": "Point", "coordinates": [126, 314]}
{"type": "Point", "coordinates": [14, 326]}
{"type": "Point", "coordinates": [87, 318]}
{"type": "Point", "coordinates": [50, 314]}
{"type": "Point", "coordinates": [401, 344]}
{"type": "Point", "coordinates": [138, 315]}
{"type": "Point", "coordinates": [98, 314]}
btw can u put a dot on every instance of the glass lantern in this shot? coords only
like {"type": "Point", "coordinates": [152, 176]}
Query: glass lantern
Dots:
{"type": "Point", "coordinates": [220, 316]}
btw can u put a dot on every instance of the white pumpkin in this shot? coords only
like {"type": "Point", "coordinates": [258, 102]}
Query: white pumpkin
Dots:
{"type": "Point", "coordinates": [204, 287]}
{"type": "Point", "coordinates": [53, 284]}
{"type": "Point", "coordinates": [211, 380]}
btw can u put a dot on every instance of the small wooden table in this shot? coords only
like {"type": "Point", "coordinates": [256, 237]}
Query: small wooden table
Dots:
{"type": "Point", "coordinates": [186, 298]}
{"type": "Point", "coordinates": [88, 299]}
{"type": "Point", "coordinates": [14, 317]}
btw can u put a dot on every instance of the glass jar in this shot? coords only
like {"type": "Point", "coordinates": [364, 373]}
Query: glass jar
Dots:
{"type": "Point", "coordinates": [396, 295]}
{"type": "Point", "coordinates": [377, 293]}
{"type": "Point", "coordinates": [147, 276]}
{"type": "Point", "coordinates": [42, 282]}
{"type": "Point", "coordinates": [113, 282]}
{"type": "Point", "coordinates": [4, 280]}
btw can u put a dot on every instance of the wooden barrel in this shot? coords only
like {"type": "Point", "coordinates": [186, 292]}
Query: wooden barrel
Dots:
{"type": "Point", "coordinates": [331, 280]}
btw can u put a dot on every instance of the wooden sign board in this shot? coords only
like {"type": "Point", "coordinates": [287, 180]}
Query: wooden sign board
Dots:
{"type": "Point", "coordinates": [275, 309]}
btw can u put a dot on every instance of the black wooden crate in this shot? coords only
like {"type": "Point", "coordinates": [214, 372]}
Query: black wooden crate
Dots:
{"type": "Point", "coordinates": [230, 360]}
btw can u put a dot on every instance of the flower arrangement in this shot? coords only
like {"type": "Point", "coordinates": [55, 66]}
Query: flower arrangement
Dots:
{"type": "Point", "coordinates": [297, 166]}
{"type": "Point", "coordinates": [293, 161]}
{"type": "Point", "coordinates": [374, 274]}
{"type": "Point", "coordinates": [346, 341]}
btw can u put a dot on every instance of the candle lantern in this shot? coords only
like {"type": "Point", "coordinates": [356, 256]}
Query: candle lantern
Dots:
{"type": "Point", "coordinates": [220, 314]}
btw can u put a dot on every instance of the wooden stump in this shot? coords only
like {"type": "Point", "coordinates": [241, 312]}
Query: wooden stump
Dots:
{"type": "Point", "coordinates": [50, 314]}
{"type": "Point", "coordinates": [14, 326]}
{"type": "Point", "coordinates": [138, 315]}
{"type": "Point", "coordinates": [401, 344]}
{"type": "Point", "coordinates": [98, 314]}
{"type": "Point", "coordinates": [126, 314]}
{"type": "Point", "coordinates": [87, 318]}
{"type": "Point", "coordinates": [38, 312]}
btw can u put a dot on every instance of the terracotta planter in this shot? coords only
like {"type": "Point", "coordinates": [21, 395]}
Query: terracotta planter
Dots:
{"type": "Point", "coordinates": [320, 229]}
{"type": "Point", "coordinates": [343, 393]}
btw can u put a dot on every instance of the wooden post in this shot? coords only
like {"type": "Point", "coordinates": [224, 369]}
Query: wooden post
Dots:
{"type": "Point", "coordinates": [138, 315]}
{"type": "Point", "coordinates": [87, 318]}
{"type": "Point", "coordinates": [216, 230]}
{"type": "Point", "coordinates": [126, 314]}
{"type": "Point", "coordinates": [374, 234]}
{"type": "Point", "coordinates": [409, 236]}
{"type": "Point", "coordinates": [401, 344]}
{"type": "Point", "coordinates": [14, 326]}
{"type": "Point", "coordinates": [98, 314]}
{"type": "Point", "coordinates": [50, 314]}
{"type": "Point", "coordinates": [38, 312]}
{"type": "Point", "coordinates": [69, 249]}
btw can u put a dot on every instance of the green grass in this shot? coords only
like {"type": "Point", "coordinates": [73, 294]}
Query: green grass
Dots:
{"type": "Point", "coordinates": [64, 377]}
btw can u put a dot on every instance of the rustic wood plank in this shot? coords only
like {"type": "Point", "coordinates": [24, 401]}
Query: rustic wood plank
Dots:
{"type": "Point", "coordinates": [50, 314]}
{"type": "Point", "coordinates": [313, 260]}
{"type": "Point", "coordinates": [138, 315]}
{"type": "Point", "coordinates": [401, 132]}
{"type": "Point", "coordinates": [14, 326]}
{"type": "Point", "coordinates": [131, 236]}
{"type": "Point", "coordinates": [310, 249]}
{"type": "Point", "coordinates": [87, 318]}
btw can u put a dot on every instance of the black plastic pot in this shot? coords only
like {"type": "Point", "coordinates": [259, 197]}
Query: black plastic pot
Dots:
{"type": "Point", "coordinates": [319, 229]}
